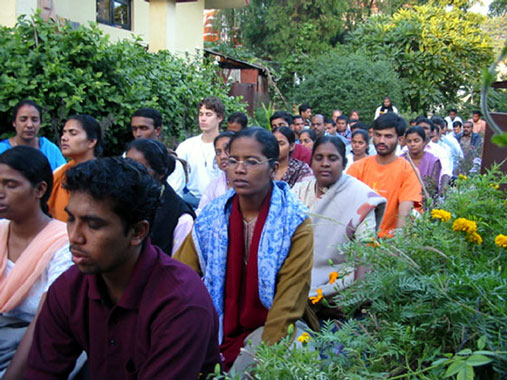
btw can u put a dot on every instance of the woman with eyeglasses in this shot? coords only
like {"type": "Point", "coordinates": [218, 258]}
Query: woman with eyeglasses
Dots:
{"type": "Point", "coordinates": [290, 170]}
{"type": "Point", "coordinates": [174, 218]}
{"type": "Point", "coordinates": [254, 247]}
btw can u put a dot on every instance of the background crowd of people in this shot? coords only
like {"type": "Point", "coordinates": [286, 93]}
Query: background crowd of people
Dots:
{"type": "Point", "coordinates": [258, 215]}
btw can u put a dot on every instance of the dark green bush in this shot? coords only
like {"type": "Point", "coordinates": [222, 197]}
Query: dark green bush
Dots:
{"type": "Point", "coordinates": [348, 82]}
{"type": "Point", "coordinates": [80, 71]}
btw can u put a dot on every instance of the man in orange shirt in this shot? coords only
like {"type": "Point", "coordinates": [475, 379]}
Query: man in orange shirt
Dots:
{"type": "Point", "coordinates": [389, 175]}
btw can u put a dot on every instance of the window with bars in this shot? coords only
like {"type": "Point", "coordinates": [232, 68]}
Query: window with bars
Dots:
{"type": "Point", "coordinates": [115, 13]}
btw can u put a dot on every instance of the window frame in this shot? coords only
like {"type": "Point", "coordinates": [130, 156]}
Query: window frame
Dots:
{"type": "Point", "coordinates": [111, 22]}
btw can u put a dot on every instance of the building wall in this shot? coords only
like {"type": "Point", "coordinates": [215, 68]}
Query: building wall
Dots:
{"type": "Point", "coordinates": [85, 11]}
{"type": "Point", "coordinates": [189, 27]}
{"type": "Point", "coordinates": [8, 13]}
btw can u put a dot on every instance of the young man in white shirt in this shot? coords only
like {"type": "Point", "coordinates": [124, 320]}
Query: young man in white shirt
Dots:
{"type": "Point", "coordinates": [199, 152]}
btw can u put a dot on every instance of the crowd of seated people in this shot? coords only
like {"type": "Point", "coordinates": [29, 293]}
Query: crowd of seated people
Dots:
{"type": "Point", "coordinates": [129, 261]}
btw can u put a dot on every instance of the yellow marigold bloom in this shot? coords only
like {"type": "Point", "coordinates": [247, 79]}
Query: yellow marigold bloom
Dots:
{"type": "Point", "coordinates": [501, 241]}
{"type": "Point", "coordinates": [304, 338]}
{"type": "Point", "coordinates": [443, 215]}
{"type": "Point", "coordinates": [462, 224]}
{"type": "Point", "coordinates": [474, 237]}
{"type": "Point", "coordinates": [333, 276]}
{"type": "Point", "coordinates": [494, 186]}
{"type": "Point", "coordinates": [318, 297]}
{"type": "Point", "coordinates": [463, 177]}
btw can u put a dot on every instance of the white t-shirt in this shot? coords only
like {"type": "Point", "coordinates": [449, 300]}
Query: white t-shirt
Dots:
{"type": "Point", "coordinates": [59, 263]}
{"type": "Point", "coordinates": [177, 178]}
{"type": "Point", "coordinates": [202, 166]}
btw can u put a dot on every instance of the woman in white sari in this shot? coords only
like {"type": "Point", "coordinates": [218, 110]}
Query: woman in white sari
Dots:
{"type": "Point", "coordinates": [342, 209]}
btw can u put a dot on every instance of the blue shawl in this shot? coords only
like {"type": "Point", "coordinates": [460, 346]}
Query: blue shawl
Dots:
{"type": "Point", "coordinates": [210, 236]}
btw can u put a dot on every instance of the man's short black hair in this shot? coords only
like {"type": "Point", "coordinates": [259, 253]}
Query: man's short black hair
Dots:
{"type": "Point", "coordinates": [437, 120]}
{"type": "Point", "coordinates": [330, 121]}
{"type": "Point", "coordinates": [304, 107]}
{"type": "Point", "coordinates": [281, 115]}
{"type": "Point", "coordinates": [390, 120]}
{"type": "Point", "coordinates": [477, 112]}
{"type": "Point", "coordinates": [342, 117]}
{"type": "Point", "coordinates": [124, 183]}
{"type": "Point", "coordinates": [149, 113]}
{"type": "Point", "coordinates": [294, 117]}
{"type": "Point", "coordinates": [453, 110]}
{"type": "Point", "coordinates": [238, 117]}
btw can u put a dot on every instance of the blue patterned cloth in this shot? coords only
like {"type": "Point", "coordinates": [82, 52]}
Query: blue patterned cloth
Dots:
{"type": "Point", "coordinates": [210, 236]}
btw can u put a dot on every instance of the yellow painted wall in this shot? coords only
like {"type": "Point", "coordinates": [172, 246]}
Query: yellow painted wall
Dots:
{"type": "Point", "coordinates": [189, 27]}
{"type": "Point", "coordinates": [162, 25]}
{"type": "Point", "coordinates": [85, 11]}
{"type": "Point", "coordinates": [8, 13]}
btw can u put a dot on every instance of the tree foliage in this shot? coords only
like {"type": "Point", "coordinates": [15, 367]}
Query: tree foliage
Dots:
{"type": "Point", "coordinates": [348, 82]}
{"type": "Point", "coordinates": [435, 52]}
{"type": "Point", "coordinates": [78, 70]}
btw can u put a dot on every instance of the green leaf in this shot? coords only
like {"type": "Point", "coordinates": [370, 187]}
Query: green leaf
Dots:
{"type": "Point", "coordinates": [477, 360]}
{"type": "Point", "coordinates": [454, 368]}
{"type": "Point", "coordinates": [500, 140]}
{"type": "Point", "coordinates": [466, 373]}
{"type": "Point", "coordinates": [440, 361]}
{"type": "Point", "coordinates": [465, 352]}
{"type": "Point", "coordinates": [481, 343]}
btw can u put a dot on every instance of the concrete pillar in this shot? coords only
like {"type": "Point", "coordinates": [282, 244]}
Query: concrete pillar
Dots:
{"type": "Point", "coordinates": [162, 25]}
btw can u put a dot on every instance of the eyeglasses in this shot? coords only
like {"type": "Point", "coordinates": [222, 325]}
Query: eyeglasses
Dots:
{"type": "Point", "coordinates": [248, 163]}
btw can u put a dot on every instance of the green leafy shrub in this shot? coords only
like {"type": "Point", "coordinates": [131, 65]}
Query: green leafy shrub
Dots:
{"type": "Point", "coordinates": [348, 82]}
{"type": "Point", "coordinates": [434, 305]}
{"type": "Point", "coordinates": [79, 70]}
{"type": "Point", "coordinates": [436, 52]}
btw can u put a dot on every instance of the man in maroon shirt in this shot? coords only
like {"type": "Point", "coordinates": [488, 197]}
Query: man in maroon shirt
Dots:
{"type": "Point", "coordinates": [136, 312]}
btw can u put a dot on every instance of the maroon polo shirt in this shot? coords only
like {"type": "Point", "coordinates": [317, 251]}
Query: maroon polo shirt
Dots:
{"type": "Point", "coordinates": [163, 327]}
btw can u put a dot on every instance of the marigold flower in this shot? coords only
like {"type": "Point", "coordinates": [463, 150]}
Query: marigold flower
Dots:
{"type": "Point", "coordinates": [463, 177]}
{"type": "Point", "coordinates": [462, 224]}
{"type": "Point", "coordinates": [373, 243]}
{"type": "Point", "coordinates": [318, 297]}
{"type": "Point", "coordinates": [333, 276]}
{"type": "Point", "coordinates": [501, 241]}
{"type": "Point", "coordinates": [474, 237]}
{"type": "Point", "coordinates": [443, 215]}
{"type": "Point", "coordinates": [304, 338]}
{"type": "Point", "coordinates": [495, 186]}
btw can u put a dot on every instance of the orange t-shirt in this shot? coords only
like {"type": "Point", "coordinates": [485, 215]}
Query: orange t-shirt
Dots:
{"type": "Point", "coordinates": [397, 182]}
{"type": "Point", "coordinates": [59, 196]}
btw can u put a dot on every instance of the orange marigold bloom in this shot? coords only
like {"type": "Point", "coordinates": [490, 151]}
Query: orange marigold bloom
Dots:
{"type": "Point", "coordinates": [304, 338]}
{"type": "Point", "coordinates": [501, 241]}
{"type": "Point", "coordinates": [474, 237]}
{"type": "Point", "coordinates": [318, 297]}
{"type": "Point", "coordinates": [462, 224]}
{"type": "Point", "coordinates": [333, 276]}
{"type": "Point", "coordinates": [443, 215]}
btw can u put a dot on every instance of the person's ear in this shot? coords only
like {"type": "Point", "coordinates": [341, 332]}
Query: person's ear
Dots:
{"type": "Point", "coordinates": [41, 189]}
{"type": "Point", "coordinates": [291, 147]}
{"type": "Point", "coordinates": [92, 143]}
{"type": "Point", "coordinates": [139, 232]}
{"type": "Point", "coordinates": [274, 170]}
{"type": "Point", "coordinates": [158, 130]}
